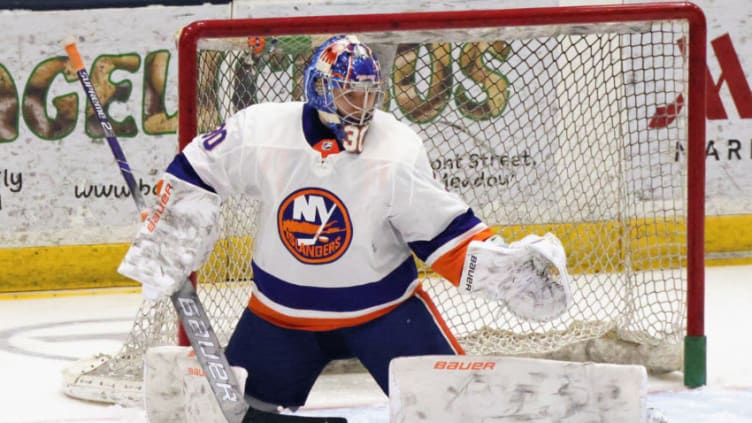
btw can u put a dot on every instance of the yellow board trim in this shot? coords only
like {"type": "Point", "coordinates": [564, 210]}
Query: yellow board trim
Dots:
{"type": "Point", "coordinates": [69, 293]}
{"type": "Point", "coordinates": [62, 267]}
{"type": "Point", "coordinates": [728, 241]}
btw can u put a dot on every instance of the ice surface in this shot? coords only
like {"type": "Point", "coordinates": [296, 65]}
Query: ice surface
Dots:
{"type": "Point", "coordinates": [41, 335]}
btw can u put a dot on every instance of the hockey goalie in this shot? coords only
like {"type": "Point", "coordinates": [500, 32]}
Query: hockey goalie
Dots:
{"type": "Point", "coordinates": [347, 198]}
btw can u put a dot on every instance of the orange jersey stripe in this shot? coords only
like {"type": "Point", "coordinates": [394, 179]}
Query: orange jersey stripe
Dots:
{"type": "Point", "coordinates": [297, 323]}
{"type": "Point", "coordinates": [423, 295]}
{"type": "Point", "coordinates": [311, 324]}
{"type": "Point", "coordinates": [449, 265]}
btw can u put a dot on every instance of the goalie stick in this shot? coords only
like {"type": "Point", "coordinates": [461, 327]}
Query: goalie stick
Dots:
{"type": "Point", "coordinates": [191, 312]}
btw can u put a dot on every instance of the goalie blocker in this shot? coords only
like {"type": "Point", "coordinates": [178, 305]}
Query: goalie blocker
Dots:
{"type": "Point", "coordinates": [465, 389]}
{"type": "Point", "coordinates": [529, 276]}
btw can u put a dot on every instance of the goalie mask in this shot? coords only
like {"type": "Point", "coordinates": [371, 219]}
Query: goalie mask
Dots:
{"type": "Point", "coordinates": [343, 82]}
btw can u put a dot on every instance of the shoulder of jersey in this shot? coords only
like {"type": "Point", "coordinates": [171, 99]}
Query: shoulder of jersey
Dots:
{"type": "Point", "coordinates": [391, 139]}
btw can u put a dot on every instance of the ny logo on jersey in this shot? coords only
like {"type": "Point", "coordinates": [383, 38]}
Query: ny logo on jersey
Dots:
{"type": "Point", "coordinates": [314, 225]}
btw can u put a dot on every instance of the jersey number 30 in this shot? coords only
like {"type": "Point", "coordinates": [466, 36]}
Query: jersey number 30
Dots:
{"type": "Point", "coordinates": [214, 138]}
{"type": "Point", "coordinates": [354, 135]}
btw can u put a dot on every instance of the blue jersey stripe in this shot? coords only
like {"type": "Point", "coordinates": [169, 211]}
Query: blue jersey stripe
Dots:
{"type": "Point", "coordinates": [354, 298]}
{"type": "Point", "coordinates": [182, 169]}
{"type": "Point", "coordinates": [458, 226]}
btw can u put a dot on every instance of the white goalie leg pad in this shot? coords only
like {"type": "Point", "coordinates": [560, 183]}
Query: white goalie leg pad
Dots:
{"type": "Point", "coordinates": [530, 275]}
{"type": "Point", "coordinates": [176, 389]}
{"type": "Point", "coordinates": [466, 389]}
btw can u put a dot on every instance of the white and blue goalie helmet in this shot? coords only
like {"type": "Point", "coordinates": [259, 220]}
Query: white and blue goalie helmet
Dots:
{"type": "Point", "coordinates": [344, 83]}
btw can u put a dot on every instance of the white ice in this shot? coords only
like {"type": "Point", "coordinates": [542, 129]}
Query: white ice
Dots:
{"type": "Point", "coordinates": [41, 335]}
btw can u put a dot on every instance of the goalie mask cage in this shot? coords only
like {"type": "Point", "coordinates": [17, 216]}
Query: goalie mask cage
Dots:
{"type": "Point", "coordinates": [584, 121]}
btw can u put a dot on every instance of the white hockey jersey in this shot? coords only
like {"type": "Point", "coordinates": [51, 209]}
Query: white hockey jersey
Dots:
{"type": "Point", "coordinates": [337, 232]}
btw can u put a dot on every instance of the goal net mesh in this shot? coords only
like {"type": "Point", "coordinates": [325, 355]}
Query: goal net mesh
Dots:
{"type": "Point", "coordinates": [569, 128]}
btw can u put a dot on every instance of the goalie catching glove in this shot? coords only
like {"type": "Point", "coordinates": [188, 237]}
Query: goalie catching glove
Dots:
{"type": "Point", "coordinates": [529, 276]}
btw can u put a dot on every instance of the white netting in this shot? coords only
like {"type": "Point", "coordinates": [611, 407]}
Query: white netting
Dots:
{"type": "Point", "coordinates": [540, 128]}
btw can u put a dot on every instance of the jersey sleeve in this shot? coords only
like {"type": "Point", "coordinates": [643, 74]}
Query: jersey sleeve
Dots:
{"type": "Point", "coordinates": [182, 228]}
{"type": "Point", "coordinates": [223, 160]}
{"type": "Point", "coordinates": [437, 224]}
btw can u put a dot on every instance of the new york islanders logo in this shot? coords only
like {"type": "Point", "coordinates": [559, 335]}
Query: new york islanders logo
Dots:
{"type": "Point", "coordinates": [314, 226]}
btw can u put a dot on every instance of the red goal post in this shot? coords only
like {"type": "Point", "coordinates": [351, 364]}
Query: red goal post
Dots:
{"type": "Point", "coordinates": [573, 120]}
